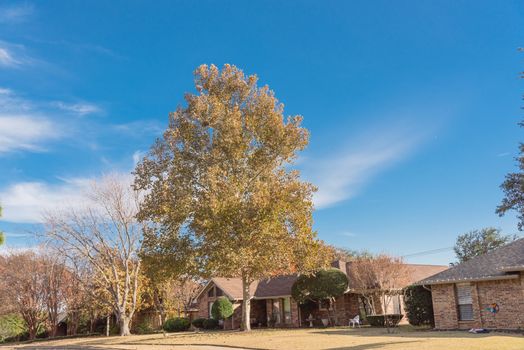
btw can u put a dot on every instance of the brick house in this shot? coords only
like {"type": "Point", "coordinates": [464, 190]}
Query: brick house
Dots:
{"type": "Point", "coordinates": [484, 292]}
{"type": "Point", "coordinates": [273, 306]}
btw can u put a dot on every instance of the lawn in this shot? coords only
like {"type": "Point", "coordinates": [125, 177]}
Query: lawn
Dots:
{"type": "Point", "coordinates": [326, 339]}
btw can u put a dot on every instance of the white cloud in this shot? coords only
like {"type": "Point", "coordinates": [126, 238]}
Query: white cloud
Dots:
{"type": "Point", "coordinates": [24, 132]}
{"type": "Point", "coordinates": [28, 202]}
{"type": "Point", "coordinates": [137, 157]}
{"type": "Point", "coordinates": [16, 13]}
{"type": "Point", "coordinates": [80, 109]}
{"type": "Point", "coordinates": [7, 58]}
{"type": "Point", "coordinates": [348, 234]}
{"type": "Point", "coordinates": [342, 175]}
{"type": "Point", "coordinates": [23, 126]}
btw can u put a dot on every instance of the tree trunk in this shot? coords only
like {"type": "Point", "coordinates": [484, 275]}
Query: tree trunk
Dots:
{"type": "Point", "coordinates": [123, 323]}
{"type": "Point", "coordinates": [246, 305]}
{"type": "Point", "coordinates": [107, 325]}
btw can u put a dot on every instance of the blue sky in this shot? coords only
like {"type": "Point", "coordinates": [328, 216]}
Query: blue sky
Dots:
{"type": "Point", "coordinates": [412, 105]}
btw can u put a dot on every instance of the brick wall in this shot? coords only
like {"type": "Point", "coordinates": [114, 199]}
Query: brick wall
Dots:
{"type": "Point", "coordinates": [346, 307]}
{"type": "Point", "coordinates": [444, 306]}
{"type": "Point", "coordinates": [508, 294]}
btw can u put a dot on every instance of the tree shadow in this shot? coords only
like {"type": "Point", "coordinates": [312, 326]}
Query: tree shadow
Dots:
{"type": "Point", "coordinates": [373, 345]}
{"type": "Point", "coordinates": [427, 333]}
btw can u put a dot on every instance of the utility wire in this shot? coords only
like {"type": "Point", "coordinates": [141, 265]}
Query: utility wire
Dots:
{"type": "Point", "coordinates": [427, 252]}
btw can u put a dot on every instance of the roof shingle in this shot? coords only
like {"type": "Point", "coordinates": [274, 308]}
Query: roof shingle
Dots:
{"type": "Point", "coordinates": [490, 266]}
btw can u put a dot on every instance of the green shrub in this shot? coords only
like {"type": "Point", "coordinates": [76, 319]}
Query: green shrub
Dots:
{"type": "Point", "coordinates": [198, 322]}
{"type": "Point", "coordinates": [144, 328]}
{"type": "Point", "coordinates": [11, 326]}
{"type": "Point", "coordinates": [222, 309]}
{"type": "Point", "coordinates": [210, 323]}
{"type": "Point", "coordinates": [379, 320]}
{"type": "Point", "coordinates": [419, 307]}
{"type": "Point", "coordinates": [177, 324]}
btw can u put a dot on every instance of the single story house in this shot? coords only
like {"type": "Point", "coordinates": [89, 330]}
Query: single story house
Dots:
{"type": "Point", "coordinates": [484, 292]}
{"type": "Point", "coordinates": [273, 306]}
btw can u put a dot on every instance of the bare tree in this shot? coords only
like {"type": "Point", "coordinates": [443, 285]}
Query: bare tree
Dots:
{"type": "Point", "coordinates": [22, 288]}
{"type": "Point", "coordinates": [380, 278]}
{"type": "Point", "coordinates": [54, 282]}
{"type": "Point", "coordinates": [106, 238]}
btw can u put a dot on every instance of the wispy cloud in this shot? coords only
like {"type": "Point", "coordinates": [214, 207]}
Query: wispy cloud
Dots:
{"type": "Point", "coordinates": [28, 202]}
{"type": "Point", "coordinates": [340, 176]}
{"type": "Point", "coordinates": [80, 108]}
{"type": "Point", "coordinates": [21, 127]}
{"type": "Point", "coordinates": [16, 13]}
{"type": "Point", "coordinates": [23, 132]}
{"type": "Point", "coordinates": [14, 55]}
{"type": "Point", "coordinates": [7, 58]}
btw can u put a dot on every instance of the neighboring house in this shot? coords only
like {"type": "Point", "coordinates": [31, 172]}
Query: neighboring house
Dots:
{"type": "Point", "coordinates": [273, 306]}
{"type": "Point", "coordinates": [484, 292]}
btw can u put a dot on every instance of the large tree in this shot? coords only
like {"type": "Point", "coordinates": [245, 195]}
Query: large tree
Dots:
{"type": "Point", "coordinates": [2, 237]}
{"type": "Point", "coordinates": [478, 242]}
{"type": "Point", "coordinates": [379, 279]}
{"type": "Point", "coordinates": [105, 240]}
{"type": "Point", "coordinates": [321, 286]}
{"type": "Point", "coordinates": [220, 178]}
{"type": "Point", "coordinates": [513, 186]}
{"type": "Point", "coordinates": [22, 288]}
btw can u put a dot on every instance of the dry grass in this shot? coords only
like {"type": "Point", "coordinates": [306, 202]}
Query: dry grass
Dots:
{"type": "Point", "coordinates": [327, 339]}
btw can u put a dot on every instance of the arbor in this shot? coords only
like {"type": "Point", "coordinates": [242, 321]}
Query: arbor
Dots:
{"type": "Point", "coordinates": [322, 285]}
{"type": "Point", "coordinates": [105, 240]}
{"type": "Point", "coordinates": [220, 179]}
{"type": "Point", "coordinates": [478, 242]}
{"type": "Point", "coordinates": [379, 278]}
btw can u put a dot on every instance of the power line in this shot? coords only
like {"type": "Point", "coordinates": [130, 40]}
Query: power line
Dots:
{"type": "Point", "coordinates": [427, 252]}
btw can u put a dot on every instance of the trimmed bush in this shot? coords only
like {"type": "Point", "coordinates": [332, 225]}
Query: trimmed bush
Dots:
{"type": "Point", "coordinates": [144, 328]}
{"type": "Point", "coordinates": [177, 324]}
{"type": "Point", "coordinates": [210, 323]}
{"type": "Point", "coordinates": [379, 320]}
{"type": "Point", "coordinates": [222, 309]}
{"type": "Point", "coordinates": [198, 322]}
{"type": "Point", "coordinates": [419, 307]}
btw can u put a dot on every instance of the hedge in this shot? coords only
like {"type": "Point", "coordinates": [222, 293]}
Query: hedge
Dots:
{"type": "Point", "coordinates": [177, 324]}
{"type": "Point", "coordinates": [379, 320]}
{"type": "Point", "coordinates": [419, 307]}
{"type": "Point", "coordinates": [198, 322]}
{"type": "Point", "coordinates": [210, 323]}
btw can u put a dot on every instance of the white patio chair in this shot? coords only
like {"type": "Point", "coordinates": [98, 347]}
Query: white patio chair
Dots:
{"type": "Point", "coordinates": [355, 321]}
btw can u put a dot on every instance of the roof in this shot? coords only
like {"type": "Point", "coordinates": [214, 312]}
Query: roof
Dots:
{"type": "Point", "coordinates": [280, 286]}
{"type": "Point", "coordinates": [270, 287]}
{"type": "Point", "coordinates": [416, 271]}
{"type": "Point", "coordinates": [495, 265]}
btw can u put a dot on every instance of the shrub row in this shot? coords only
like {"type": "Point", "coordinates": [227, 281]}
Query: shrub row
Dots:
{"type": "Point", "coordinates": [205, 323]}
{"type": "Point", "coordinates": [380, 320]}
{"type": "Point", "coordinates": [177, 324]}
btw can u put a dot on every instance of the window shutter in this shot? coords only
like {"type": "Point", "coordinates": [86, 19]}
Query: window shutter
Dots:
{"type": "Point", "coordinates": [464, 294]}
{"type": "Point", "coordinates": [465, 302]}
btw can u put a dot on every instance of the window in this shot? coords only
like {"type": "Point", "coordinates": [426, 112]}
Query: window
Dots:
{"type": "Point", "coordinates": [324, 304]}
{"type": "Point", "coordinates": [219, 292]}
{"type": "Point", "coordinates": [464, 302]}
{"type": "Point", "coordinates": [210, 305]}
{"type": "Point", "coordinates": [287, 310]}
{"type": "Point", "coordinates": [276, 311]}
{"type": "Point", "coordinates": [211, 292]}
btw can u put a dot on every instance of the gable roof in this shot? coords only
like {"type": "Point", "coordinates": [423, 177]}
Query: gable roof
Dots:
{"type": "Point", "coordinates": [279, 286]}
{"type": "Point", "coordinates": [494, 265]}
{"type": "Point", "coordinates": [416, 271]}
